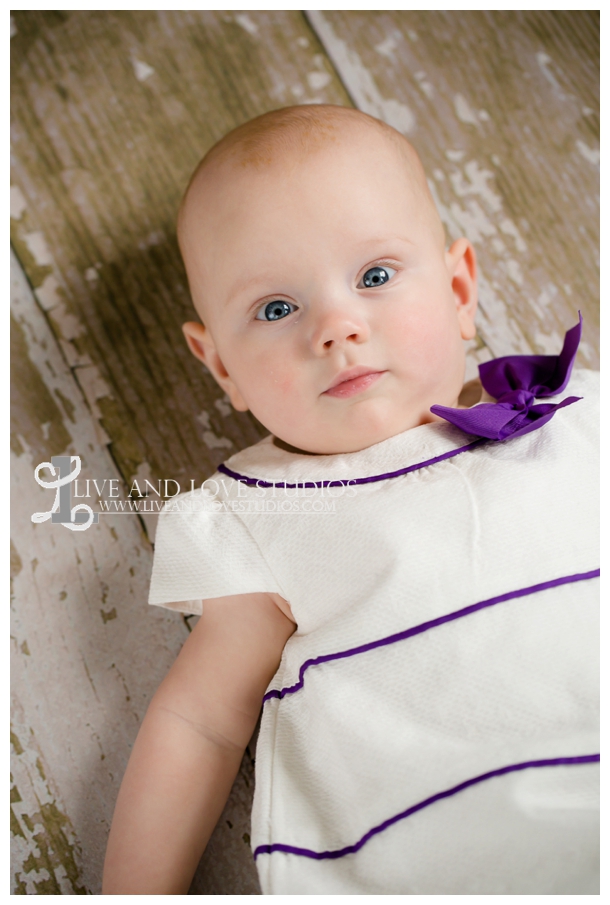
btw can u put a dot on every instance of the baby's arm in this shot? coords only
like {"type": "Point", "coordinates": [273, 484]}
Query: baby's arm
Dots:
{"type": "Point", "coordinates": [191, 743]}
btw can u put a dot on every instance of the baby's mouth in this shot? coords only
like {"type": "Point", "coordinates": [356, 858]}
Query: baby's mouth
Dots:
{"type": "Point", "coordinates": [353, 381]}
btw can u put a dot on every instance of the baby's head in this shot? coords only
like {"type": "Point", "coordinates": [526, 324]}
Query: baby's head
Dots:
{"type": "Point", "coordinates": [316, 261]}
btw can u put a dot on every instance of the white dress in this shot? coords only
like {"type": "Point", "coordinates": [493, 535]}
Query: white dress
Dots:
{"type": "Point", "coordinates": [432, 727]}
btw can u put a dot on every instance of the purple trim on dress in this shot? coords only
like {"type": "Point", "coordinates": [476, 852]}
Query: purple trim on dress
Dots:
{"type": "Point", "coordinates": [425, 626]}
{"type": "Point", "coordinates": [256, 482]}
{"type": "Point", "coordinates": [351, 849]}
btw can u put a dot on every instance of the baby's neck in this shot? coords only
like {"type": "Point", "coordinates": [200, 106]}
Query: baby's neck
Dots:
{"type": "Point", "coordinates": [293, 449]}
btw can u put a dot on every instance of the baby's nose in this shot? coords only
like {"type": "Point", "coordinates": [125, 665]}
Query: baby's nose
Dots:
{"type": "Point", "coordinates": [339, 325]}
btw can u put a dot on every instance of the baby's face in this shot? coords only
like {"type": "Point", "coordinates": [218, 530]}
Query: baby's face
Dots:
{"type": "Point", "coordinates": [332, 310]}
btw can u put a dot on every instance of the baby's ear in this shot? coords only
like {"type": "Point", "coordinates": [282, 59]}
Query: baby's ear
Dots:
{"type": "Point", "coordinates": [200, 342]}
{"type": "Point", "coordinates": [462, 266]}
{"type": "Point", "coordinates": [196, 337]}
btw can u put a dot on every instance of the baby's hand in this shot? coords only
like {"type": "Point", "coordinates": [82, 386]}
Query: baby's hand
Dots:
{"type": "Point", "coordinates": [191, 743]}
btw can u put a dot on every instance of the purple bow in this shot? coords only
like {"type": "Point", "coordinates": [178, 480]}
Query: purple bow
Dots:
{"type": "Point", "coordinates": [516, 381]}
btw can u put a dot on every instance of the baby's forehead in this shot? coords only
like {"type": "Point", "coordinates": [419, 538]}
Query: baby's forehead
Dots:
{"type": "Point", "coordinates": [269, 161]}
{"type": "Point", "coordinates": [279, 152]}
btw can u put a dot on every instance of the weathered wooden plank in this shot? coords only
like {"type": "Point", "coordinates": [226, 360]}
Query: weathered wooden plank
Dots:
{"type": "Point", "coordinates": [503, 108]}
{"type": "Point", "coordinates": [45, 851]}
{"type": "Point", "coordinates": [111, 112]}
{"type": "Point", "coordinates": [87, 653]}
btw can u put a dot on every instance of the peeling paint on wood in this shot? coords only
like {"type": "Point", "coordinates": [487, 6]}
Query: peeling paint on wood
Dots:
{"type": "Point", "coordinates": [512, 157]}
{"type": "Point", "coordinates": [45, 850]}
{"type": "Point", "coordinates": [112, 110]}
{"type": "Point", "coordinates": [79, 615]}
{"type": "Point", "coordinates": [99, 201]}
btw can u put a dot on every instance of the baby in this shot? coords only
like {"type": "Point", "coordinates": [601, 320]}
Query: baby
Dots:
{"type": "Point", "coordinates": [412, 601]}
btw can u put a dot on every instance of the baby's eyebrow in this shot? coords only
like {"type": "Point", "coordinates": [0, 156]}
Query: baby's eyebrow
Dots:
{"type": "Point", "coordinates": [245, 285]}
{"type": "Point", "coordinates": [382, 240]}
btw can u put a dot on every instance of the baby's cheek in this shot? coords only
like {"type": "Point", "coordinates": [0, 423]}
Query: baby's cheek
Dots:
{"type": "Point", "coordinates": [427, 344]}
{"type": "Point", "coordinates": [279, 380]}
{"type": "Point", "coordinates": [271, 390]}
{"type": "Point", "coordinates": [413, 331]}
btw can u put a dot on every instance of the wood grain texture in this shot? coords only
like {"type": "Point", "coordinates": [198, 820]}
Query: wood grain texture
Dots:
{"type": "Point", "coordinates": [87, 652]}
{"type": "Point", "coordinates": [503, 109]}
{"type": "Point", "coordinates": [111, 113]}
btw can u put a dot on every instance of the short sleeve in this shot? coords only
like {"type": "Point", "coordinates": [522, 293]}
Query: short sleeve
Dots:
{"type": "Point", "coordinates": [201, 553]}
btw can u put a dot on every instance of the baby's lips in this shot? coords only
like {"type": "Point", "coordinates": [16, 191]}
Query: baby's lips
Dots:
{"type": "Point", "coordinates": [353, 381]}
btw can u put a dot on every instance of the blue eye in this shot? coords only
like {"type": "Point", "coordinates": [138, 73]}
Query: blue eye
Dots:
{"type": "Point", "coordinates": [275, 311]}
{"type": "Point", "coordinates": [377, 276]}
